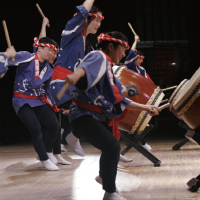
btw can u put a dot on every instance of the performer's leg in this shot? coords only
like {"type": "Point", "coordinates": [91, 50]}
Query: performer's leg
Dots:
{"type": "Point", "coordinates": [99, 136]}
{"type": "Point", "coordinates": [67, 128]}
{"type": "Point", "coordinates": [57, 151]}
{"type": "Point", "coordinates": [48, 118]}
{"type": "Point", "coordinates": [28, 117]}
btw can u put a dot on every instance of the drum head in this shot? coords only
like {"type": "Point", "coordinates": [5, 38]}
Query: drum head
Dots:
{"type": "Point", "coordinates": [187, 92]}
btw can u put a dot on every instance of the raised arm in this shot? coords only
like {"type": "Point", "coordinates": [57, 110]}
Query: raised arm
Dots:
{"type": "Point", "coordinates": [88, 4]}
{"type": "Point", "coordinates": [135, 42]}
{"type": "Point", "coordinates": [43, 29]}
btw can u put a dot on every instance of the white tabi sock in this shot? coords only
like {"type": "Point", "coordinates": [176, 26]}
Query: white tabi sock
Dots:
{"type": "Point", "coordinates": [112, 196]}
{"type": "Point", "coordinates": [49, 165]}
{"type": "Point", "coordinates": [99, 180]}
{"type": "Point", "coordinates": [124, 159]}
{"type": "Point", "coordinates": [74, 143]}
{"type": "Point", "coordinates": [52, 158]}
{"type": "Point", "coordinates": [62, 146]}
{"type": "Point", "coordinates": [147, 147]}
{"type": "Point", "coordinates": [61, 160]}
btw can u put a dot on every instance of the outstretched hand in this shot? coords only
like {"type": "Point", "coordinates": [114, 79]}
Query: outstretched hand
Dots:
{"type": "Point", "coordinates": [153, 110]}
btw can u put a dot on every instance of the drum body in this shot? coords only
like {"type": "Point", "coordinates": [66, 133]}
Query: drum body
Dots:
{"type": "Point", "coordinates": [175, 95]}
{"type": "Point", "coordinates": [187, 105]}
{"type": "Point", "coordinates": [145, 92]}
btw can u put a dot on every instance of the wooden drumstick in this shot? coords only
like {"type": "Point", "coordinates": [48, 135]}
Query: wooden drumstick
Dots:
{"type": "Point", "coordinates": [163, 101]}
{"type": "Point", "coordinates": [7, 36]}
{"type": "Point", "coordinates": [38, 7]}
{"type": "Point", "coordinates": [170, 88]}
{"type": "Point", "coordinates": [62, 91]}
{"type": "Point", "coordinates": [161, 107]}
{"type": "Point", "coordinates": [132, 30]}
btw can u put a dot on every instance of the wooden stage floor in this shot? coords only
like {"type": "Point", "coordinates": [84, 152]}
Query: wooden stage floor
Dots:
{"type": "Point", "coordinates": [23, 178]}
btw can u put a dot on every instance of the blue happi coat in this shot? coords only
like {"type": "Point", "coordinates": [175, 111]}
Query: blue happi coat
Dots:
{"type": "Point", "coordinates": [98, 83]}
{"type": "Point", "coordinates": [130, 63]}
{"type": "Point", "coordinates": [25, 80]}
{"type": "Point", "coordinates": [3, 63]}
{"type": "Point", "coordinates": [72, 50]}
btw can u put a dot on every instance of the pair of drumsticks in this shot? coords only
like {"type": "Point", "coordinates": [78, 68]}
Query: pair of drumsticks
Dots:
{"type": "Point", "coordinates": [6, 29]}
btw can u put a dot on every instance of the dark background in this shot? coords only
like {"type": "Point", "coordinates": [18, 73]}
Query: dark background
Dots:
{"type": "Point", "coordinates": [168, 30]}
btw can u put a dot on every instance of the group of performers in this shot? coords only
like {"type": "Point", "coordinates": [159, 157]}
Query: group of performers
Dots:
{"type": "Point", "coordinates": [93, 102]}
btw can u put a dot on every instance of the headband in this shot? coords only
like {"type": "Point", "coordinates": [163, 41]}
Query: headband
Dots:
{"type": "Point", "coordinates": [37, 44]}
{"type": "Point", "coordinates": [140, 56]}
{"type": "Point", "coordinates": [105, 37]}
{"type": "Point", "coordinates": [93, 15]}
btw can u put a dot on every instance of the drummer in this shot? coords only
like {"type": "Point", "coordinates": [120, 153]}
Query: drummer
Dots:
{"type": "Point", "coordinates": [98, 97]}
{"type": "Point", "coordinates": [133, 61]}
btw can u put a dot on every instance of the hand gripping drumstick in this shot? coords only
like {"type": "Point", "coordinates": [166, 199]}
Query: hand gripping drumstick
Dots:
{"type": "Point", "coordinates": [38, 7]}
{"type": "Point", "coordinates": [7, 36]}
{"type": "Point", "coordinates": [161, 107]}
{"type": "Point", "coordinates": [62, 91]}
{"type": "Point", "coordinates": [132, 30]}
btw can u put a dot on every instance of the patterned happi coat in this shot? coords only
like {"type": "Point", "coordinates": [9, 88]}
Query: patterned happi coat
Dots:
{"type": "Point", "coordinates": [73, 47]}
{"type": "Point", "coordinates": [25, 82]}
{"type": "Point", "coordinates": [99, 88]}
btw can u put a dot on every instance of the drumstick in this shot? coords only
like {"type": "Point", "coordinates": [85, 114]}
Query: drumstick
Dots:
{"type": "Point", "coordinates": [62, 91]}
{"type": "Point", "coordinates": [7, 36]}
{"type": "Point", "coordinates": [170, 88]}
{"type": "Point", "coordinates": [38, 7]}
{"type": "Point", "coordinates": [161, 107]}
{"type": "Point", "coordinates": [164, 106]}
{"type": "Point", "coordinates": [132, 30]}
{"type": "Point", "coordinates": [164, 101]}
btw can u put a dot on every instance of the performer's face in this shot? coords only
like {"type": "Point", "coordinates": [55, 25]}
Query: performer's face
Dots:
{"type": "Point", "coordinates": [45, 52]}
{"type": "Point", "coordinates": [94, 23]}
{"type": "Point", "coordinates": [117, 54]}
{"type": "Point", "coordinates": [139, 61]}
{"type": "Point", "coordinates": [52, 57]}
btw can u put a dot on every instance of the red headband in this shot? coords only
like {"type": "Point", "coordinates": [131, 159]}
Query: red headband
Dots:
{"type": "Point", "coordinates": [140, 56]}
{"type": "Point", "coordinates": [93, 15]}
{"type": "Point", "coordinates": [37, 44]}
{"type": "Point", "coordinates": [105, 37]}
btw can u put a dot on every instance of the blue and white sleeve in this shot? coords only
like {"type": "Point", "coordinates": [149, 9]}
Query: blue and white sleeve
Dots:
{"type": "Point", "coordinates": [74, 26]}
{"type": "Point", "coordinates": [130, 60]}
{"type": "Point", "coordinates": [21, 57]}
{"type": "Point", "coordinates": [94, 65]}
{"type": "Point", "coordinates": [3, 63]}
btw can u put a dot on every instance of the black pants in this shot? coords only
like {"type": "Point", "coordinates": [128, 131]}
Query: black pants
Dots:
{"type": "Point", "coordinates": [99, 135]}
{"type": "Point", "coordinates": [32, 117]}
{"type": "Point", "coordinates": [56, 146]}
{"type": "Point", "coordinates": [66, 126]}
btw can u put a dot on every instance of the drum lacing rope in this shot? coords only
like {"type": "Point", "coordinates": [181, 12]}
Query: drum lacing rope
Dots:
{"type": "Point", "coordinates": [189, 98]}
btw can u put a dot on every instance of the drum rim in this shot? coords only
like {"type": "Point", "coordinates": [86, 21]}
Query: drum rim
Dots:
{"type": "Point", "coordinates": [144, 114]}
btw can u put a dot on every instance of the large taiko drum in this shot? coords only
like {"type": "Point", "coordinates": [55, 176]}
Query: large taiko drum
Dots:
{"type": "Point", "coordinates": [175, 95]}
{"type": "Point", "coordinates": [187, 105]}
{"type": "Point", "coordinates": [138, 89]}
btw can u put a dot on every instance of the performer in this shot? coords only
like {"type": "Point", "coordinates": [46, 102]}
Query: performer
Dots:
{"type": "Point", "coordinates": [52, 57]}
{"type": "Point", "coordinates": [32, 99]}
{"type": "Point", "coordinates": [74, 46]}
{"type": "Point", "coordinates": [97, 98]}
{"type": "Point", "coordinates": [133, 61]}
